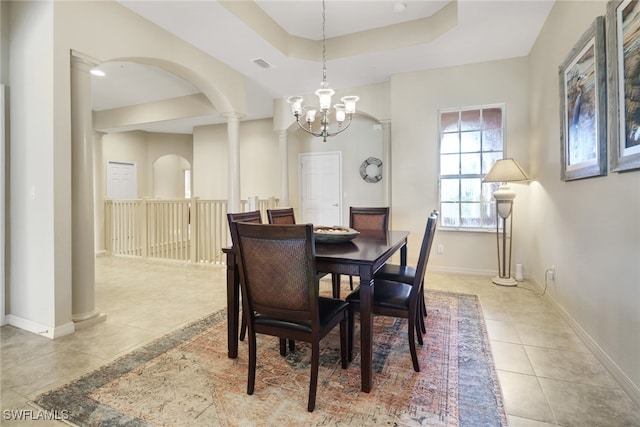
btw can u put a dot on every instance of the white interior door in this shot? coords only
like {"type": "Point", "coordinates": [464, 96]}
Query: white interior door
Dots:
{"type": "Point", "coordinates": [121, 181]}
{"type": "Point", "coordinates": [321, 188]}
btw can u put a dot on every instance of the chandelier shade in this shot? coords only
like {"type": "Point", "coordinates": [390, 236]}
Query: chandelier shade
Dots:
{"type": "Point", "coordinates": [306, 115]}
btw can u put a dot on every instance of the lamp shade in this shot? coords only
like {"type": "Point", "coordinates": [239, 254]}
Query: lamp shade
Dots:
{"type": "Point", "coordinates": [506, 170]}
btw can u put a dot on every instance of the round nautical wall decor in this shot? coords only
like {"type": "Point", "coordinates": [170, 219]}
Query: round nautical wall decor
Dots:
{"type": "Point", "coordinates": [371, 170]}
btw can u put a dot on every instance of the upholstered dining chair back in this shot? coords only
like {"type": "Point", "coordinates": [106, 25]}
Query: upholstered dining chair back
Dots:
{"type": "Point", "coordinates": [425, 248]}
{"type": "Point", "coordinates": [281, 216]}
{"type": "Point", "coordinates": [369, 218]}
{"type": "Point", "coordinates": [280, 292]}
{"type": "Point", "coordinates": [278, 268]}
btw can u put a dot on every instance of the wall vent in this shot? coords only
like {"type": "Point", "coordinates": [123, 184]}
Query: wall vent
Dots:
{"type": "Point", "coordinates": [262, 63]}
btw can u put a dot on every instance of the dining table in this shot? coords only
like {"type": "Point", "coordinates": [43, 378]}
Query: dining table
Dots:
{"type": "Point", "coordinates": [362, 256]}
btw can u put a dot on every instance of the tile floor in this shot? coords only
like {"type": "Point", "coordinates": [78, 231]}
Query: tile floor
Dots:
{"type": "Point", "coordinates": [548, 376]}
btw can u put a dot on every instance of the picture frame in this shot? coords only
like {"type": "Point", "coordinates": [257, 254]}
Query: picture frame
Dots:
{"type": "Point", "coordinates": [583, 106]}
{"type": "Point", "coordinates": [623, 50]}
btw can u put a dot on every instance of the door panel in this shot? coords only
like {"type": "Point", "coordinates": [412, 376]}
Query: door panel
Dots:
{"type": "Point", "coordinates": [121, 181]}
{"type": "Point", "coordinates": [321, 188]}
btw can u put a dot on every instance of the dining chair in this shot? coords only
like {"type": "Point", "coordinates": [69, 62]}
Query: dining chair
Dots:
{"type": "Point", "coordinates": [279, 288]}
{"type": "Point", "coordinates": [281, 216]}
{"type": "Point", "coordinates": [252, 217]}
{"type": "Point", "coordinates": [369, 218]}
{"type": "Point", "coordinates": [397, 299]}
{"type": "Point", "coordinates": [405, 274]}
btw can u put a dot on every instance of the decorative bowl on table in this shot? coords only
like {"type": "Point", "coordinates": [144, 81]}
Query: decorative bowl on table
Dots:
{"type": "Point", "coordinates": [334, 234]}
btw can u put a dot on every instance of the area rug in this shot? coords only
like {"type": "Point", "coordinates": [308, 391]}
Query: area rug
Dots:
{"type": "Point", "coordinates": [186, 379]}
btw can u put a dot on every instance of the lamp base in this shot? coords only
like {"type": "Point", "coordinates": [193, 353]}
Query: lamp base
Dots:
{"type": "Point", "coordinates": [505, 281]}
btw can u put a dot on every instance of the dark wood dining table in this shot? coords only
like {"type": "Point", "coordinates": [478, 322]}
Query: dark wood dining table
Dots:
{"type": "Point", "coordinates": [362, 257]}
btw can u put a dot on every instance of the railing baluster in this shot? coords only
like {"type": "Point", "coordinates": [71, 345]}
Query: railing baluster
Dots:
{"type": "Point", "coordinates": [189, 230]}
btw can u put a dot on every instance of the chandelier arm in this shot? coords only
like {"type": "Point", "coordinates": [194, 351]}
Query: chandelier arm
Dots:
{"type": "Point", "coordinates": [305, 129]}
{"type": "Point", "coordinates": [342, 129]}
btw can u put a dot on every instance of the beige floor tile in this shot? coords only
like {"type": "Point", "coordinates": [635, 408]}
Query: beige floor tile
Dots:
{"type": "Point", "coordinates": [502, 331]}
{"type": "Point", "coordinates": [524, 398]}
{"type": "Point", "coordinates": [569, 366]}
{"type": "Point", "coordinates": [586, 405]}
{"type": "Point", "coordinates": [550, 336]}
{"type": "Point", "coordinates": [43, 373]}
{"type": "Point", "coordinates": [525, 422]}
{"type": "Point", "coordinates": [511, 357]}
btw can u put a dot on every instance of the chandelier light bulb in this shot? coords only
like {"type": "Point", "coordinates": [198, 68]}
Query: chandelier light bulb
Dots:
{"type": "Point", "coordinates": [344, 111]}
{"type": "Point", "coordinates": [340, 113]}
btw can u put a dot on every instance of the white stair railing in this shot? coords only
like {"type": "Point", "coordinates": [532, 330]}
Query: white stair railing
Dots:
{"type": "Point", "coordinates": [189, 230]}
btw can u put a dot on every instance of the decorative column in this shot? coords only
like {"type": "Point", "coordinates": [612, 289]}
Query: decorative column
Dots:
{"type": "Point", "coordinates": [284, 168]}
{"type": "Point", "coordinates": [98, 191]}
{"type": "Point", "coordinates": [386, 159]}
{"type": "Point", "coordinates": [84, 311]}
{"type": "Point", "coordinates": [233, 125]}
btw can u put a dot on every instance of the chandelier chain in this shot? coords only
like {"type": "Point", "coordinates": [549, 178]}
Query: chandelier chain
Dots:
{"type": "Point", "coordinates": [324, 47]}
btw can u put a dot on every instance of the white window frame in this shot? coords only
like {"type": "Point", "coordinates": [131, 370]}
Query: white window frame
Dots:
{"type": "Point", "coordinates": [488, 157]}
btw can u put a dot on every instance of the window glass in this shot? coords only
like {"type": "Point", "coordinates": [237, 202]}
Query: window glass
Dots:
{"type": "Point", "coordinates": [471, 140]}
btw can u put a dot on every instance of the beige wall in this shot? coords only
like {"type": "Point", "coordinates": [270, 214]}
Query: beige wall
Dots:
{"type": "Point", "coordinates": [143, 149]}
{"type": "Point", "coordinates": [259, 161]}
{"type": "Point", "coordinates": [588, 229]}
{"type": "Point", "coordinates": [415, 146]}
{"type": "Point", "coordinates": [42, 36]}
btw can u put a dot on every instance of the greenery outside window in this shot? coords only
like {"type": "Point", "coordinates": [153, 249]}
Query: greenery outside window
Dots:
{"type": "Point", "coordinates": [471, 140]}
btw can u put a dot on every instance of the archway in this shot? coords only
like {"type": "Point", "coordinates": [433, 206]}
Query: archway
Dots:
{"type": "Point", "coordinates": [171, 177]}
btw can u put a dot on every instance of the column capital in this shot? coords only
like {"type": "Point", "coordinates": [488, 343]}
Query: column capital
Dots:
{"type": "Point", "coordinates": [83, 62]}
{"type": "Point", "coordinates": [232, 115]}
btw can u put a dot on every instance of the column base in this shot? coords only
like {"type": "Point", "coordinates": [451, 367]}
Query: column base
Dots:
{"type": "Point", "coordinates": [86, 321]}
{"type": "Point", "coordinates": [505, 281]}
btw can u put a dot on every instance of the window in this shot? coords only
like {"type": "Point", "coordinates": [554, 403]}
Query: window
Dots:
{"type": "Point", "coordinates": [471, 140]}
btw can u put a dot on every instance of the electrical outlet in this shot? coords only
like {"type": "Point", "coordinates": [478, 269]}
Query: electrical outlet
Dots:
{"type": "Point", "coordinates": [551, 272]}
{"type": "Point", "coordinates": [440, 248]}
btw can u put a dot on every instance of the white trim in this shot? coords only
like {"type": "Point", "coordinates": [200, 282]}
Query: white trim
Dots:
{"type": "Point", "coordinates": [3, 319]}
{"type": "Point", "coordinates": [40, 329]}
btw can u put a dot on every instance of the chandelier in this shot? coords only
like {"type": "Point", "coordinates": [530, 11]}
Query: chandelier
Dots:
{"type": "Point", "coordinates": [307, 114]}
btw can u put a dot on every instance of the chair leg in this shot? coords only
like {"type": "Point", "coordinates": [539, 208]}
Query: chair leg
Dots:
{"type": "Point", "coordinates": [283, 347]}
{"type": "Point", "coordinates": [335, 284]}
{"type": "Point", "coordinates": [313, 385]}
{"type": "Point", "coordinates": [251, 380]}
{"type": "Point", "coordinates": [351, 282]}
{"type": "Point", "coordinates": [350, 326]}
{"type": "Point", "coordinates": [418, 327]}
{"type": "Point", "coordinates": [412, 343]}
{"type": "Point", "coordinates": [344, 346]}
{"type": "Point", "coordinates": [292, 346]}
{"type": "Point", "coordinates": [243, 327]}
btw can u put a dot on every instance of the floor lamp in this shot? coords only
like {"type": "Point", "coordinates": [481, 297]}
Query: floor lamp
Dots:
{"type": "Point", "coordinates": [504, 171]}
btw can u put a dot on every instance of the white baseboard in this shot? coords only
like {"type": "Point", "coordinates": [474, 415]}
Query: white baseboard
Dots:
{"type": "Point", "coordinates": [610, 365]}
{"type": "Point", "coordinates": [458, 270]}
{"type": "Point", "coordinates": [40, 329]}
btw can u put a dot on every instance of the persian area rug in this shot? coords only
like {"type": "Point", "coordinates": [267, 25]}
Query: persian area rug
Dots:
{"type": "Point", "coordinates": [186, 379]}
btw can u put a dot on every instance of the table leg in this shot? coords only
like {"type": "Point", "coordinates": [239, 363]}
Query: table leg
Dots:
{"type": "Point", "coordinates": [335, 285]}
{"type": "Point", "coordinates": [366, 332]}
{"type": "Point", "coordinates": [233, 306]}
{"type": "Point", "coordinates": [403, 255]}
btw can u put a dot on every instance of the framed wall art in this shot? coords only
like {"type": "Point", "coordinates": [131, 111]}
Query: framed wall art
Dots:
{"type": "Point", "coordinates": [583, 106]}
{"type": "Point", "coordinates": [623, 64]}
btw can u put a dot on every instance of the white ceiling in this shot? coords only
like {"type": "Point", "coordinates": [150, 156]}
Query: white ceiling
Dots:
{"type": "Point", "coordinates": [485, 31]}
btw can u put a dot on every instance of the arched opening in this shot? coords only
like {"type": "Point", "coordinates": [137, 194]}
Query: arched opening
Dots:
{"type": "Point", "coordinates": [171, 177]}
